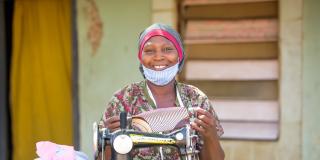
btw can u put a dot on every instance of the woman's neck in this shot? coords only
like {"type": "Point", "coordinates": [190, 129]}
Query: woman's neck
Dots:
{"type": "Point", "coordinates": [165, 90]}
{"type": "Point", "coordinates": [164, 96]}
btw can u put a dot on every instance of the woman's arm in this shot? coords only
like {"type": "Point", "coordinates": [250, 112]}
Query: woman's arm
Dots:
{"type": "Point", "coordinates": [107, 154]}
{"type": "Point", "coordinates": [205, 124]}
{"type": "Point", "coordinates": [113, 124]}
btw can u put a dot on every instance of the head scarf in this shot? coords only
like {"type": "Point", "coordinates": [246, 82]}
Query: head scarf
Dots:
{"type": "Point", "coordinates": [166, 31]}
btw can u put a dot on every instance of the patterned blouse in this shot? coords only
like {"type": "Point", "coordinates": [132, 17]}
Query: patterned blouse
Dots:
{"type": "Point", "coordinates": [134, 99]}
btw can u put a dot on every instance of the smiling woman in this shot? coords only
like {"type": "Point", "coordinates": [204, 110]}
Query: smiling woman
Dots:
{"type": "Point", "coordinates": [161, 56]}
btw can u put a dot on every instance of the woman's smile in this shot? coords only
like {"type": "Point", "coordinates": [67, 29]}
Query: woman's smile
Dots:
{"type": "Point", "coordinates": [159, 67]}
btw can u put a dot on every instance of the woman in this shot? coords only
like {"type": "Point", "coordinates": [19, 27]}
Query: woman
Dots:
{"type": "Point", "coordinates": [161, 58]}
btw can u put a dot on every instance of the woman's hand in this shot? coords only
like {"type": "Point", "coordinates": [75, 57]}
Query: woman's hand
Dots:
{"type": "Point", "coordinates": [205, 124]}
{"type": "Point", "coordinates": [113, 123]}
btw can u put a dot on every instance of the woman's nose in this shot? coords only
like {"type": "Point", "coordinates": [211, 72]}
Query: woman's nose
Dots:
{"type": "Point", "coordinates": [159, 55]}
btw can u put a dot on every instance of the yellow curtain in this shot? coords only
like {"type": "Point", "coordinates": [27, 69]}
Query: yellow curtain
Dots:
{"type": "Point", "coordinates": [41, 97]}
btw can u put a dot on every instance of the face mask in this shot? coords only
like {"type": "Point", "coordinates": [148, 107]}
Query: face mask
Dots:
{"type": "Point", "coordinates": [163, 77]}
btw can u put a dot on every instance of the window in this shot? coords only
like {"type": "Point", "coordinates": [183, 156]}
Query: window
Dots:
{"type": "Point", "coordinates": [232, 55]}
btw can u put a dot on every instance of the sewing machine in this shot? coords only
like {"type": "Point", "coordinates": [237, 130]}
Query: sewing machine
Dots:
{"type": "Point", "coordinates": [124, 140]}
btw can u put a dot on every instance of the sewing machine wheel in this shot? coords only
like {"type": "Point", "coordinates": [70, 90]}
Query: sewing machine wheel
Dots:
{"type": "Point", "coordinates": [95, 138]}
{"type": "Point", "coordinates": [141, 124]}
{"type": "Point", "coordinates": [122, 144]}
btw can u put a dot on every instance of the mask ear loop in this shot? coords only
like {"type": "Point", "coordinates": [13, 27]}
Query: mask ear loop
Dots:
{"type": "Point", "coordinates": [181, 63]}
{"type": "Point", "coordinates": [141, 70]}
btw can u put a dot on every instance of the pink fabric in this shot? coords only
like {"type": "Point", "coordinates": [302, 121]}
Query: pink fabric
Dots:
{"type": "Point", "coordinates": [159, 32]}
{"type": "Point", "coordinates": [50, 151]}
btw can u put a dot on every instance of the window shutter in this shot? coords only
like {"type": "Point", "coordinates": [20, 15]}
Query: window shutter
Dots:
{"type": "Point", "coordinates": [232, 55]}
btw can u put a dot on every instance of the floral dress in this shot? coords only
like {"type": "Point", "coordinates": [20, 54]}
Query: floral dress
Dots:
{"type": "Point", "coordinates": [134, 99]}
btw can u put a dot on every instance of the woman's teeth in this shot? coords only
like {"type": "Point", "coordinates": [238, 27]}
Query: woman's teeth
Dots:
{"type": "Point", "coordinates": [159, 67]}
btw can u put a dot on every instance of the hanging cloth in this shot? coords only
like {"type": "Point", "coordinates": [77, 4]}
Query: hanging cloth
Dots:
{"type": "Point", "coordinates": [40, 92]}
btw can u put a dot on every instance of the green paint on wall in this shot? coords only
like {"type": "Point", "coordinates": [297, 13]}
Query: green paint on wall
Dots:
{"type": "Point", "coordinates": [115, 62]}
{"type": "Point", "coordinates": [311, 80]}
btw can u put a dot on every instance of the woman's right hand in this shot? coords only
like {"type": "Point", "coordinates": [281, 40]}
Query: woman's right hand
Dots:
{"type": "Point", "coordinates": [113, 123]}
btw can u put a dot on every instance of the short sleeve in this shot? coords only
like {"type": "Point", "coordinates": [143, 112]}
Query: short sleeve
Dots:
{"type": "Point", "coordinates": [113, 108]}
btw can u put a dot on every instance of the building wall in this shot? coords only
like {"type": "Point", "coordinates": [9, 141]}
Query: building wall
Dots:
{"type": "Point", "coordinates": [311, 80]}
{"type": "Point", "coordinates": [298, 84]}
{"type": "Point", "coordinates": [165, 11]}
{"type": "Point", "coordinates": [3, 87]}
{"type": "Point", "coordinates": [108, 33]}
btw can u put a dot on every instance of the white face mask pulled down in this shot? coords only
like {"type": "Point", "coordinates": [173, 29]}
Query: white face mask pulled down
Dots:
{"type": "Point", "coordinates": [162, 77]}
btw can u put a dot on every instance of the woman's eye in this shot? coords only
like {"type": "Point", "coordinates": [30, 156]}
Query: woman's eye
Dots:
{"type": "Point", "coordinates": [168, 49]}
{"type": "Point", "coordinates": [148, 51]}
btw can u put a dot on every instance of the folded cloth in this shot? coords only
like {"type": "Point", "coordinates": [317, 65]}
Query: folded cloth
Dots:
{"type": "Point", "coordinates": [50, 151]}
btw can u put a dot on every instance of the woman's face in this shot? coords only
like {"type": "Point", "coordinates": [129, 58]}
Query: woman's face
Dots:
{"type": "Point", "coordinates": [159, 53]}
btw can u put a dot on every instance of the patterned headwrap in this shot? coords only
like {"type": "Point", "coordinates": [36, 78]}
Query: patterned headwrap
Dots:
{"type": "Point", "coordinates": [166, 31]}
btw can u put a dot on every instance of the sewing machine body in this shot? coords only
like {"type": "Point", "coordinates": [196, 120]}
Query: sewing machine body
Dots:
{"type": "Point", "coordinates": [124, 140]}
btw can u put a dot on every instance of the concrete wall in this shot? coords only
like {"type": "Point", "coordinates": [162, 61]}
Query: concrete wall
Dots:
{"type": "Point", "coordinates": [114, 63]}
{"type": "Point", "coordinates": [165, 11]}
{"type": "Point", "coordinates": [4, 134]}
{"type": "Point", "coordinates": [311, 80]}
